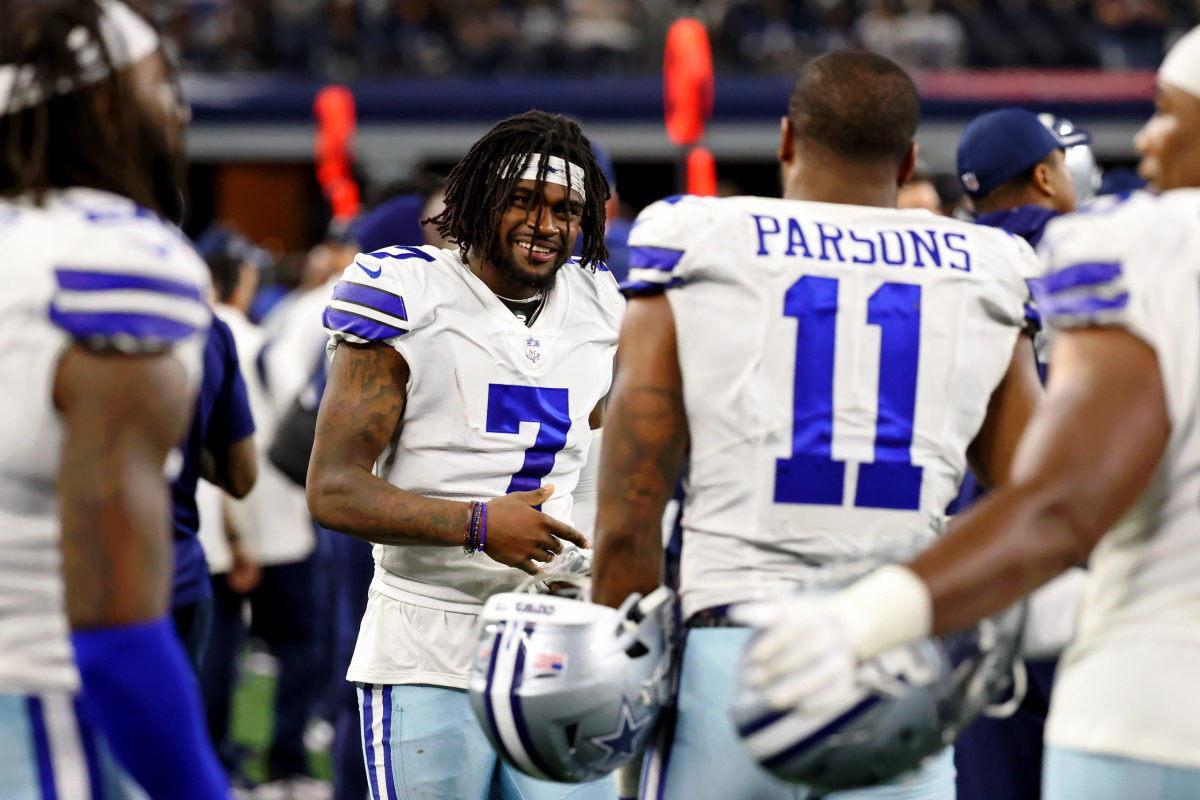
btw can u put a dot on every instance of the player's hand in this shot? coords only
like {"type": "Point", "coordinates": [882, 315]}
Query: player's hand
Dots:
{"type": "Point", "coordinates": [521, 536]}
{"type": "Point", "coordinates": [803, 656]}
{"type": "Point", "coordinates": [244, 573]}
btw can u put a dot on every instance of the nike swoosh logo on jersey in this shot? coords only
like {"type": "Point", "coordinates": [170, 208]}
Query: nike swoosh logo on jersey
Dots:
{"type": "Point", "coordinates": [375, 273]}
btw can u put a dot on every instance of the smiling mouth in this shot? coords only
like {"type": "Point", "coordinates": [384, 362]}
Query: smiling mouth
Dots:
{"type": "Point", "coordinates": [535, 251]}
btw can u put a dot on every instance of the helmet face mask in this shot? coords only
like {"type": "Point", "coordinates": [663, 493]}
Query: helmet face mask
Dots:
{"type": "Point", "coordinates": [567, 690]}
{"type": "Point", "coordinates": [912, 702]}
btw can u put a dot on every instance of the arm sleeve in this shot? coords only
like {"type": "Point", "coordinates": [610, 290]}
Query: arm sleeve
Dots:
{"type": "Point", "coordinates": [138, 688]}
{"type": "Point", "coordinates": [232, 419]}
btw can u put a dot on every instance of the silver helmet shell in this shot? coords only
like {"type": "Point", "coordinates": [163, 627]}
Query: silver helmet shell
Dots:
{"type": "Point", "coordinates": [568, 690]}
{"type": "Point", "coordinates": [912, 702]}
{"type": "Point", "coordinates": [1080, 159]}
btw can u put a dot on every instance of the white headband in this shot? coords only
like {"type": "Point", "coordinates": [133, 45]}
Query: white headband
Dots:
{"type": "Point", "coordinates": [557, 171]}
{"type": "Point", "coordinates": [1181, 67]}
{"type": "Point", "coordinates": [127, 37]}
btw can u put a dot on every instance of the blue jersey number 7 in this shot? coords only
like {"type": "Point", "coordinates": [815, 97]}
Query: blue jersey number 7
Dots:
{"type": "Point", "coordinates": [509, 406]}
{"type": "Point", "coordinates": [811, 475]}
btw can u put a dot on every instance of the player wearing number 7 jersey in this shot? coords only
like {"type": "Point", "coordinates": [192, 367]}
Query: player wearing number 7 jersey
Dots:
{"type": "Point", "coordinates": [454, 428]}
{"type": "Point", "coordinates": [830, 363]}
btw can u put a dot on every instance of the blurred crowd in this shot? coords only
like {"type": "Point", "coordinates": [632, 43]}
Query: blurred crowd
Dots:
{"type": "Point", "coordinates": [362, 39]}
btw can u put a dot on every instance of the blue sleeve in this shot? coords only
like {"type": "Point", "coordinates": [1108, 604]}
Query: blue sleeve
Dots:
{"type": "Point", "coordinates": [138, 688]}
{"type": "Point", "coordinates": [232, 420]}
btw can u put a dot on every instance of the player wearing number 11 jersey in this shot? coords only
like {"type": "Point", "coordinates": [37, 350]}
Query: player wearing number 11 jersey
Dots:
{"type": "Point", "coordinates": [830, 363]}
{"type": "Point", "coordinates": [462, 376]}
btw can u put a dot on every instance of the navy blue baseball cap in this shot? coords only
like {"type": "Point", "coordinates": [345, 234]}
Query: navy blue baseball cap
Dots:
{"type": "Point", "coordinates": [999, 145]}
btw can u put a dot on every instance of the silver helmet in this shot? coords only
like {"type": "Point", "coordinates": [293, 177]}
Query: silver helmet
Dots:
{"type": "Point", "coordinates": [912, 701]}
{"type": "Point", "coordinates": [568, 690]}
{"type": "Point", "coordinates": [1080, 159]}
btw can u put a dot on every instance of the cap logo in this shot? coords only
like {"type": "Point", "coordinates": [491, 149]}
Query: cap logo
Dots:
{"type": "Point", "coordinates": [970, 182]}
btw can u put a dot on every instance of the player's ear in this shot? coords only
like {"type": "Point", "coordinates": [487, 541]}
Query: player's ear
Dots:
{"type": "Point", "coordinates": [908, 165]}
{"type": "Point", "coordinates": [1041, 178]}
{"type": "Point", "coordinates": [787, 141]}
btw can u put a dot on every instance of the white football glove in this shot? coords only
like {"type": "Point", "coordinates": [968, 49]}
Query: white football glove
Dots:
{"type": "Point", "coordinates": [804, 656]}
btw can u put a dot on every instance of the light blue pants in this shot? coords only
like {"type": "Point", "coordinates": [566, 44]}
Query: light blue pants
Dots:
{"type": "Point", "coordinates": [424, 743]}
{"type": "Point", "coordinates": [48, 752]}
{"type": "Point", "coordinates": [1074, 775]}
{"type": "Point", "coordinates": [702, 757]}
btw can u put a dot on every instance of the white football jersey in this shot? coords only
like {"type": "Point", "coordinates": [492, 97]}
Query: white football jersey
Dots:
{"type": "Point", "coordinates": [93, 267]}
{"type": "Point", "coordinates": [493, 406]}
{"type": "Point", "coordinates": [1127, 685]}
{"type": "Point", "coordinates": [837, 361]}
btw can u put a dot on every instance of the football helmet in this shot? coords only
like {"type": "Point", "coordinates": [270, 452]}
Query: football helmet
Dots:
{"type": "Point", "coordinates": [1080, 159]}
{"type": "Point", "coordinates": [568, 690]}
{"type": "Point", "coordinates": [911, 702]}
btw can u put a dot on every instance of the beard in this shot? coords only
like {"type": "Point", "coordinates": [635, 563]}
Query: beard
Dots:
{"type": "Point", "coordinates": [502, 259]}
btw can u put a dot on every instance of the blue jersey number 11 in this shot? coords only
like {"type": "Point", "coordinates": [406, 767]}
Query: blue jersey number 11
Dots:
{"type": "Point", "coordinates": [811, 475]}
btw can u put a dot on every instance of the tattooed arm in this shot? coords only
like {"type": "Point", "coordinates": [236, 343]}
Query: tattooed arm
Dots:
{"type": "Point", "coordinates": [122, 414]}
{"type": "Point", "coordinates": [644, 443]}
{"type": "Point", "coordinates": [361, 409]}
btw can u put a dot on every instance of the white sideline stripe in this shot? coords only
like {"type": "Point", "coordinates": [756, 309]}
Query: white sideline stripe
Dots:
{"type": "Point", "coordinates": [67, 757]}
{"type": "Point", "coordinates": [381, 764]}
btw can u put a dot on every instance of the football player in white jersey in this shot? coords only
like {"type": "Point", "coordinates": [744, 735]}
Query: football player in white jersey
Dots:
{"type": "Point", "coordinates": [103, 315]}
{"type": "Point", "coordinates": [1108, 470]}
{"type": "Point", "coordinates": [829, 362]}
{"type": "Point", "coordinates": [458, 417]}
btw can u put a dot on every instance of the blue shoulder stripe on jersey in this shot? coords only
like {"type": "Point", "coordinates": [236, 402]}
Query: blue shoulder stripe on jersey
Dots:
{"type": "Point", "coordinates": [407, 252]}
{"type": "Point", "coordinates": [90, 324]}
{"type": "Point", "coordinates": [84, 280]}
{"type": "Point", "coordinates": [1081, 305]}
{"type": "Point", "coordinates": [370, 297]}
{"type": "Point", "coordinates": [1091, 273]}
{"type": "Point", "coordinates": [634, 288]}
{"type": "Point", "coordinates": [660, 258]}
{"type": "Point", "coordinates": [672, 199]}
{"type": "Point", "coordinates": [360, 326]}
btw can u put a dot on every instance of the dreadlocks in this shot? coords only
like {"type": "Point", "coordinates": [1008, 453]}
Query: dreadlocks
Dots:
{"type": "Point", "coordinates": [93, 136]}
{"type": "Point", "coordinates": [480, 187]}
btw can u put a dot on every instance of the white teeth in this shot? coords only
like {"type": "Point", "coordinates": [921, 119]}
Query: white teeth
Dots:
{"type": "Point", "coordinates": [535, 248]}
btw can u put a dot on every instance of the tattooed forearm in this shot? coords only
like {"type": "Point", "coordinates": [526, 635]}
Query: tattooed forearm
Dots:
{"type": "Point", "coordinates": [361, 410]}
{"type": "Point", "coordinates": [643, 449]}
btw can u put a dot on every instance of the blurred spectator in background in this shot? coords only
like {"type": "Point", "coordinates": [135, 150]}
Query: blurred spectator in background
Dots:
{"type": "Point", "coordinates": [349, 39]}
{"type": "Point", "coordinates": [266, 560]}
{"type": "Point", "coordinates": [1120, 181]}
{"type": "Point", "coordinates": [913, 34]}
{"type": "Point", "coordinates": [220, 447]}
{"type": "Point", "coordinates": [919, 192]}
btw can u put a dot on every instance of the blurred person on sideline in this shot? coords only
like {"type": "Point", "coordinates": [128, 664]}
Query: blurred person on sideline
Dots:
{"type": "Point", "coordinates": [262, 546]}
{"type": "Point", "coordinates": [1015, 167]}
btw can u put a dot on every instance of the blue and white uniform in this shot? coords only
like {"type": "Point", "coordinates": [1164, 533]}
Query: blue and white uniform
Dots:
{"type": "Point", "coordinates": [1120, 713]}
{"type": "Point", "coordinates": [93, 268]}
{"type": "Point", "coordinates": [492, 407]}
{"type": "Point", "coordinates": [837, 361]}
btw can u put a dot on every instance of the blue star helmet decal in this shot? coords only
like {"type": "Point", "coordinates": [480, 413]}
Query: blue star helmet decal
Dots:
{"type": "Point", "coordinates": [627, 739]}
